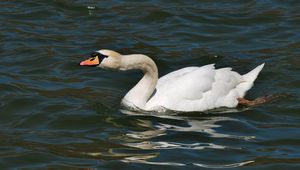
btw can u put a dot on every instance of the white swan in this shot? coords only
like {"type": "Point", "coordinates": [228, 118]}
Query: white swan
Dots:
{"type": "Point", "coordinates": [187, 89]}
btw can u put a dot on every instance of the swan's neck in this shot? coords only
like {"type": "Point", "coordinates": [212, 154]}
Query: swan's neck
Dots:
{"type": "Point", "coordinates": [141, 92]}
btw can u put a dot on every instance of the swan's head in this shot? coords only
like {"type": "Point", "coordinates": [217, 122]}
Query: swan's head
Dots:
{"type": "Point", "coordinates": [107, 59]}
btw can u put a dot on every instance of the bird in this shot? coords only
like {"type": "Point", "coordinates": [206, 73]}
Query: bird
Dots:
{"type": "Point", "coordinates": [190, 89]}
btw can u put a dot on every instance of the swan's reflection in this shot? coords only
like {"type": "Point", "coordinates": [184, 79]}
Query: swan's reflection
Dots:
{"type": "Point", "coordinates": [205, 125]}
{"type": "Point", "coordinates": [147, 140]}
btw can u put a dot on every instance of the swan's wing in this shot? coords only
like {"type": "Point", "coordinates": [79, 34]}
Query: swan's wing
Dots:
{"type": "Point", "coordinates": [185, 84]}
{"type": "Point", "coordinates": [196, 88]}
{"type": "Point", "coordinates": [188, 83]}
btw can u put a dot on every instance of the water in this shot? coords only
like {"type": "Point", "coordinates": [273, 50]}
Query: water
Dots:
{"type": "Point", "coordinates": [57, 115]}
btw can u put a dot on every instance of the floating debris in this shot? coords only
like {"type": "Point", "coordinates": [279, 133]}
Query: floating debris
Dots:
{"type": "Point", "coordinates": [91, 7]}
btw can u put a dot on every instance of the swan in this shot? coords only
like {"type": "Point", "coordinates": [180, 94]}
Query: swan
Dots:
{"type": "Point", "coordinates": [185, 90]}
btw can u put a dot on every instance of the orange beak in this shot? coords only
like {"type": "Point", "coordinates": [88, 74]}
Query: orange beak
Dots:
{"type": "Point", "coordinates": [94, 61]}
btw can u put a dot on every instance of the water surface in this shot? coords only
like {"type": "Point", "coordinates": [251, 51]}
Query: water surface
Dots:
{"type": "Point", "coordinates": [57, 115]}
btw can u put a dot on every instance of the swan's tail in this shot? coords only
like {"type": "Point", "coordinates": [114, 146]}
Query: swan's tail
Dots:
{"type": "Point", "coordinates": [249, 79]}
{"type": "Point", "coordinates": [252, 75]}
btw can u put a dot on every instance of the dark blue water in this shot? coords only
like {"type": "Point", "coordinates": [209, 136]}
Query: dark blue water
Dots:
{"type": "Point", "coordinates": [57, 115]}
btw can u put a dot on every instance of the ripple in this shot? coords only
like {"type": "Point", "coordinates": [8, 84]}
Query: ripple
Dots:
{"type": "Point", "coordinates": [174, 145]}
{"type": "Point", "coordinates": [143, 160]}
